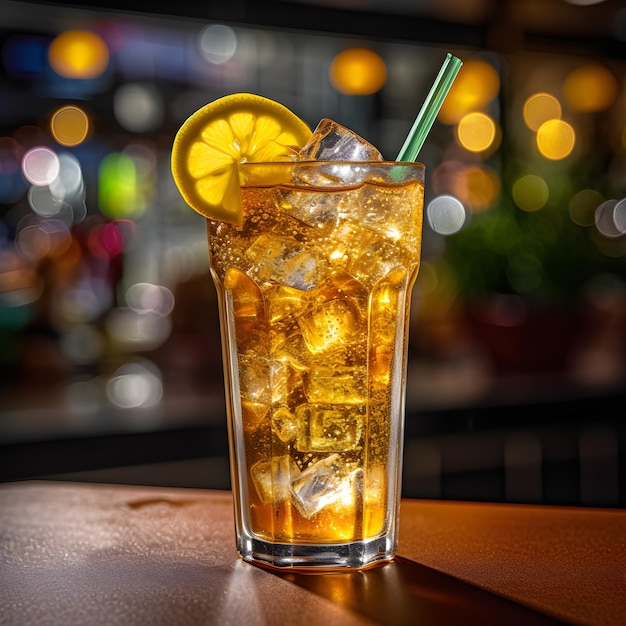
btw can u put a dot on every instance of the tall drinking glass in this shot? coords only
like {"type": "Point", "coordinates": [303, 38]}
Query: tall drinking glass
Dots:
{"type": "Point", "coordinates": [314, 292]}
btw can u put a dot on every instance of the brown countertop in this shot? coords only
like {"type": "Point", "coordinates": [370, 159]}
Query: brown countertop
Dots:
{"type": "Point", "coordinates": [73, 553]}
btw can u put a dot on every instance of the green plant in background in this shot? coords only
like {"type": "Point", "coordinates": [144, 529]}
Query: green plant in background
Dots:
{"type": "Point", "coordinates": [542, 255]}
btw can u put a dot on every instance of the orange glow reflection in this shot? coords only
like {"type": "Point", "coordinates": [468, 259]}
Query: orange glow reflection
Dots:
{"type": "Point", "coordinates": [591, 87]}
{"type": "Point", "coordinates": [78, 54]}
{"type": "Point", "coordinates": [358, 72]}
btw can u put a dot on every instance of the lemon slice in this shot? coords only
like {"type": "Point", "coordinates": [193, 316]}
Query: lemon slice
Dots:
{"type": "Point", "coordinates": [211, 144]}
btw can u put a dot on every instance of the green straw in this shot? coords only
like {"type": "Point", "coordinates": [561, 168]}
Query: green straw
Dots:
{"type": "Point", "coordinates": [428, 113]}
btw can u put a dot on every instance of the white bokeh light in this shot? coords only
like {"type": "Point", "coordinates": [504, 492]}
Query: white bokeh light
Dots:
{"type": "Point", "coordinates": [619, 216]}
{"type": "Point", "coordinates": [146, 298]}
{"type": "Point", "coordinates": [446, 214]}
{"type": "Point", "coordinates": [605, 219]}
{"type": "Point", "coordinates": [217, 43]}
{"type": "Point", "coordinates": [138, 108]}
{"type": "Point", "coordinates": [135, 385]}
{"type": "Point", "coordinates": [40, 166]}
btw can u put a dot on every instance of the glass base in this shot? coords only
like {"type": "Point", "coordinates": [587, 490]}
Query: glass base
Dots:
{"type": "Point", "coordinates": [318, 557]}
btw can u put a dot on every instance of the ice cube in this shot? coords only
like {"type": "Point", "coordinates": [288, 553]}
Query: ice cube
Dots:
{"type": "Point", "coordinates": [273, 478]}
{"type": "Point", "coordinates": [313, 209]}
{"type": "Point", "coordinates": [337, 384]}
{"type": "Point", "coordinates": [285, 382]}
{"type": "Point", "coordinates": [284, 424]}
{"type": "Point", "coordinates": [285, 261]}
{"type": "Point", "coordinates": [283, 301]}
{"type": "Point", "coordinates": [330, 326]}
{"type": "Point", "coordinates": [290, 348]}
{"type": "Point", "coordinates": [329, 428]}
{"type": "Point", "coordinates": [364, 254]}
{"type": "Point", "coordinates": [333, 142]}
{"type": "Point", "coordinates": [322, 484]}
{"type": "Point", "coordinates": [254, 378]}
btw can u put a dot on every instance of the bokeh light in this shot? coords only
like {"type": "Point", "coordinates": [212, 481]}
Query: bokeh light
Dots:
{"type": "Point", "coordinates": [217, 43]}
{"type": "Point", "coordinates": [40, 166]}
{"type": "Point", "coordinates": [530, 192]}
{"type": "Point", "coordinates": [43, 238]}
{"type": "Point", "coordinates": [138, 108]}
{"type": "Point", "coordinates": [539, 108]}
{"type": "Point", "coordinates": [555, 139]}
{"type": "Point", "coordinates": [78, 54]}
{"type": "Point", "coordinates": [446, 214]}
{"type": "Point", "coordinates": [149, 299]}
{"type": "Point", "coordinates": [476, 132]}
{"type": "Point", "coordinates": [117, 191]}
{"type": "Point", "coordinates": [69, 182]}
{"type": "Point", "coordinates": [591, 87]}
{"type": "Point", "coordinates": [45, 204]}
{"type": "Point", "coordinates": [481, 187]}
{"type": "Point", "coordinates": [69, 125]}
{"type": "Point", "coordinates": [476, 85]}
{"type": "Point", "coordinates": [135, 385]}
{"type": "Point", "coordinates": [106, 240]}
{"type": "Point", "coordinates": [85, 301]}
{"type": "Point", "coordinates": [358, 72]}
{"type": "Point", "coordinates": [619, 215]}
{"type": "Point", "coordinates": [583, 205]}
{"type": "Point", "coordinates": [131, 331]}
{"type": "Point", "coordinates": [605, 219]}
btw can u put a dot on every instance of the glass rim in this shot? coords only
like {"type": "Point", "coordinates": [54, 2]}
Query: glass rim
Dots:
{"type": "Point", "coordinates": [385, 164]}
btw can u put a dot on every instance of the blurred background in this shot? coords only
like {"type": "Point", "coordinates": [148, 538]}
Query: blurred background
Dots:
{"type": "Point", "coordinates": [110, 366]}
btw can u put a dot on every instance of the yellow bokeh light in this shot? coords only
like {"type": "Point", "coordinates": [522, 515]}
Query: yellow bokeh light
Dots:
{"type": "Point", "coordinates": [539, 108]}
{"type": "Point", "coordinates": [530, 192]}
{"type": "Point", "coordinates": [357, 72]}
{"type": "Point", "coordinates": [476, 132]}
{"type": "Point", "coordinates": [555, 139]}
{"type": "Point", "coordinates": [78, 54]}
{"type": "Point", "coordinates": [589, 88]}
{"type": "Point", "coordinates": [69, 125]}
{"type": "Point", "coordinates": [476, 86]}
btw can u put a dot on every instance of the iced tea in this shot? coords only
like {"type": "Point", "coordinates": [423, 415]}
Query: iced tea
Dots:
{"type": "Point", "coordinates": [314, 290]}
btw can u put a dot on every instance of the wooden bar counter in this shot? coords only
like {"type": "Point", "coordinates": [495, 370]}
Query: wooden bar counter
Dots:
{"type": "Point", "coordinates": [75, 553]}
